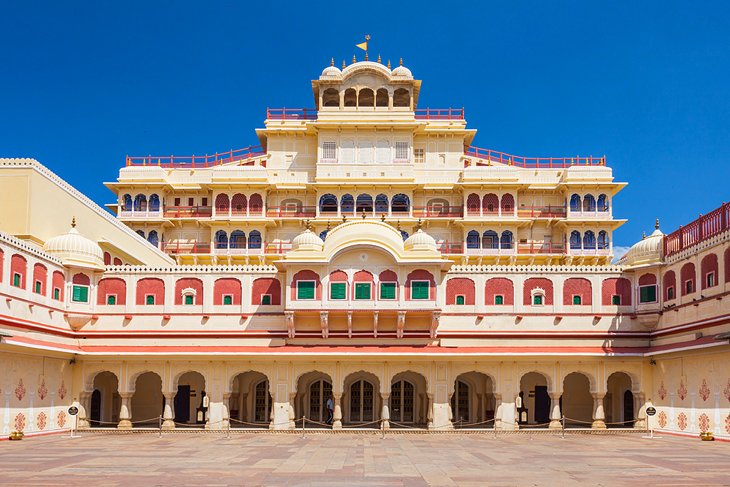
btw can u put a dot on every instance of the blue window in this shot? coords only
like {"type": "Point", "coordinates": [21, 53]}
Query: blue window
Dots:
{"type": "Point", "coordinates": [472, 240]}
{"type": "Point", "coordinates": [254, 239]}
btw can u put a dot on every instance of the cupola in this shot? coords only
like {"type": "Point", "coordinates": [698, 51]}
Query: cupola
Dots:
{"type": "Point", "coordinates": [75, 250]}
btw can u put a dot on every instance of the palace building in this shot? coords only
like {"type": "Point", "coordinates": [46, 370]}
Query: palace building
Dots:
{"type": "Point", "coordinates": [367, 255]}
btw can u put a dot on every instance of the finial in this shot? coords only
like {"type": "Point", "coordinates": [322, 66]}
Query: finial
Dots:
{"type": "Point", "coordinates": [656, 224]}
{"type": "Point", "coordinates": [397, 225]}
{"type": "Point", "coordinates": [353, 59]}
{"type": "Point", "coordinates": [332, 62]}
{"type": "Point", "coordinates": [419, 224]}
{"type": "Point", "coordinates": [643, 235]}
{"type": "Point", "coordinates": [328, 225]}
{"type": "Point", "coordinates": [308, 224]}
{"type": "Point", "coordinates": [388, 63]}
{"type": "Point", "coordinates": [364, 215]}
{"type": "Point", "coordinates": [344, 218]}
{"type": "Point", "coordinates": [401, 62]}
{"type": "Point", "coordinates": [379, 59]}
{"type": "Point", "coordinates": [73, 222]}
{"type": "Point", "coordinates": [366, 55]}
{"type": "Point", "coordinates": [343, 64]}
{"type": "Point", "coordinates": [382, 217]}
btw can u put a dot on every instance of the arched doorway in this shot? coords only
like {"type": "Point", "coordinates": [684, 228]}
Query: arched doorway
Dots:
{"type": "Point", "coordinates": [191, 404]}
{"type": "Point", "coordinates": [473, 399]}
{"type": "Point", "coordinates": [408, 399]}
{"type": "Point", "coordinates": [619, 401]}
{"type": "Point", "coordinates": [361, 399]}
{"type": "Point", "coordinates": [250, 402]}
{"type": "Point", "coordinates": [313, 390]}
{"type": "Point", "coordinates": [147, 403]}
{"type": "Point", "coordinates": [576, 403]}
{"type": "Point", "coordinates": [534, 409]}
{"type": "Point", "coordinates": [105, 401]}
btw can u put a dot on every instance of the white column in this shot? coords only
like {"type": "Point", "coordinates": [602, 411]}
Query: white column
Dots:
{"type": "Point", "coordinates": [385, 414]}
{"type": "Point", "coordinates": [598, 416]}
{"type": "Point", "coordinates": [168, 415]}
{"type": "Point", "coordinates": [555, 413]}
{"type": "Point", "coordinates": [125, 413]}
{"type": "Point", "coordinates": [84, 403]}
{"type": "Point", "coordinates": [337, 415]}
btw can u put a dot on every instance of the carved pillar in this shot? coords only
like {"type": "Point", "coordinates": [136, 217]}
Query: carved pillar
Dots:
{"type": "Point", "coordinates": [292, 412]}
{"type": "Point", "coordinates": [84, 407]}
{"type": "Point", "coordinates": [168, 414]}
{"type": "Point", "coordinates": [289, 317]}
{"type": "Point", "coordinates": [125, 413]}
{"type": "Point", "coordinates": [429, 410]}
{"type": "Point", "coordinates": [385, 413]}
{"type": "Point", "coordinates": [599, 415]}
{"type": "Point", "coordinates": [640, 410]}
{"type": "Point", "coordinates": [226, 411]}
{"type": "Point", "coordinates": [555, 413]}
{"type": "Point", "coordinates": [497, 411]}
{"type": "Point", "coordinates": [337, 414]}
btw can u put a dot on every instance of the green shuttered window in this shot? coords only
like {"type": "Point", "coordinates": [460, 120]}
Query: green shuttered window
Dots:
{"type": "Point", "coordinates": [387, 290]}
{"type": "Point", "coordinates": [80, 294]}
{"type": "Point", "coordinates": [305, 289]}
{"type": "Point", "coordinates": [647, 294]}
{"type": "Point", "coordinates": [419, 290]}
{"type": "Point", "coordinates": [338, 290]}
{"type": "Point", "coordinates": [362, 290]}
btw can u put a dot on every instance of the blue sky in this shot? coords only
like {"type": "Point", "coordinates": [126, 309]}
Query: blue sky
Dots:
{"type": "Point", "coordinates": [645, 83]}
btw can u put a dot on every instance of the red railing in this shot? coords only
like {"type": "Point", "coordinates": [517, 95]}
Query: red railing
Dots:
{"type": "Point", "coordinates": [193, 161]}
{"type": "Point", "coordinates": [533, 162]}
{"type": "Point", "coordinates": [291, 114]}
{"type": "Point", "coordinates": [704, 227]}
{"type": "Point", "coordinates": [291, 212]}
{"type": "Point", "coordinates": [549, 211]}
{"type": "Point", "coordinates": [277, 247]}
{"type": "Point", "coordinates": [451, 247]}
{"type": "Point", "coordinates": [540, 248]}
{"type": "Point", "coordinates": [439, 113]}
{"type": "Point", "coordinates": [188, 211]}
{"type": "Point", "coordinates": [438, 211]}
{"type": "Point", "coordinates": [177, 248]}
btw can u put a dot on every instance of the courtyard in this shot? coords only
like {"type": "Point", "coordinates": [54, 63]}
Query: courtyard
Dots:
{"type": "Point", "coordinates": [363, 459]}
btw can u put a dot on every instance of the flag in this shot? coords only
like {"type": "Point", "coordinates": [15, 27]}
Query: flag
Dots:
{"type": "Point", "coordinates": [363, 45]}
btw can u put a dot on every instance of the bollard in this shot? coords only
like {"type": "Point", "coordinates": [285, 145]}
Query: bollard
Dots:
{"type": "Point", "coordinates": [159, 424]}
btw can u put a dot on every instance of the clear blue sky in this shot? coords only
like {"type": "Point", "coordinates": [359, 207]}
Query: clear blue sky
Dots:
{"type": "Point", "coordinates": [646, 83]}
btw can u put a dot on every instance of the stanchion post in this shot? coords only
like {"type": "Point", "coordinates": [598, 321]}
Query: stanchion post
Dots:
{"type": "Point", "coordinates": [495, 429]}
{"type": "Point", "coordinates": [562, 429]}
{"type": "Point", "coordinates": [304, 422]}
{"type": "Point", "coordinates": [159, 424]}
{"type": "Point", "coordinates": [228, 429]}
{"type": "Point", "coordinates": [382, 429]}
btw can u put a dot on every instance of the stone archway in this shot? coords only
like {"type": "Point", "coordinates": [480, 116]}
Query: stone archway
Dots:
{"type": "Point", "coordinates": [250, 403]}
{"type": "Point", "coordinates": [147, 402]}
{"type": "Point", "coordinates": [313, 390]}
{"type": "Point", "coordinates": [473, 400]}
{"type": "Point", "coordinates": [191, 402]}
{"type": "Point", "coordinates": [618, 404]}
{"type": "Point", "coordinates": [105, 401]}
{"type": "Point", "coordinates": [534, 397]}
{"type": "Point", "coordinates": [408, 400]}
{"type": "Point", "coordinates": [577, 403]}
{"type": "Point", "coordinates": [361, 400]}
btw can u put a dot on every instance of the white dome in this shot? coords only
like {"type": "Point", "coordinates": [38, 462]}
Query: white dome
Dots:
{"type": "Point", "coordinates": [307, 240]}
{"type": "Point", "coordinates": [420, 241]}
{"type": "Point", "coordinates": [332, 71]}
{"type": "Point", "coordinates": [402, 71]}
{"type": "Point", "coordinates": [73, 249]}
{"type": "Point", "coordinates": [646, 251]}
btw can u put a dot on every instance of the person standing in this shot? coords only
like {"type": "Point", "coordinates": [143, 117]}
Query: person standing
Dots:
{"type": "Point", "coordinates": [330, 410]}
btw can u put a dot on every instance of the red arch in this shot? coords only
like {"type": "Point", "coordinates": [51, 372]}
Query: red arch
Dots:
{"type": "Point", "coordinates": [499, 286]}
{"type": "Point", "coordinates": [107, 258]}
{"type": "Point", "coordinates": [58, 282]}
{"type": "Point", "coordinates": [117, 261]}
{"type": "Point", "coordinates": [687, 273]}
{"type": "Point", "coordinates": [338, 276]}
{"type": "Point", "coordinates": [616, 286]}
{"type": "Point", "coordinates": [266, 285]}
{"type": "Point", "coordinates": [18, 265]}
{"type": "Point", "coordinates": [508, 203]}
{"type": "Point", "coordinates": [707, 265]}
{"type": "Point", "coordinates": [421, 275]}
{"type": "Point", "coordinates": [81, 279]}
{"type": "Point", "coordinates": [472, 204]}
{"type": "Point", "coordinates": [670, 280]}
{"type": "Point", "coordinates": [577, 286]}
{"type": "Point", "coordinates": [222, 203]}
{"type": "Point", "coordinates": [306, 275]}
{"type": "Point", "coordinates": [647, 279]}
{"type": "Point", "coordinates": [150, 286]}
{"type": "Point", "coordinates": [537, 282]}
{"type": "Point", "coordinates": [226, 286]}
{"type": "Point", "coordinates": [726, 259]}
{"type": "Point", "coordinates": [40, 273]}
{"type": "Point", "coordinates": [460, 286]}
{"type": "Point", "coordinates": [189, 283]}
{"type": "Point", "coordinates": [255, 204]}
{"type": "Point", "coordinates": [112, 285]}
{"type": "Point", "coordinates": [490, 199]}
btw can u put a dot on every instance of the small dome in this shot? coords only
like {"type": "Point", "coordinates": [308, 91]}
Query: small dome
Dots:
{"type": "Point", "coordinates": [646, 251]}
{"type": "Point", "coordinates": [73, 249]}
{"type": "Point", "coordinates": [402, 71]}
{"type": "Point", "coordinates": [332, 71]}
{"type": "Point", "coordinates": [420, 241]}
{"type": "Point", "coordinates": [307, 240]}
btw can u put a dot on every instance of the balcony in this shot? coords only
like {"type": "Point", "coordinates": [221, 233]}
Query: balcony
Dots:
{"type": "Point", "coordinates": [141, 214]}
{"type": "Point", "coordinates": [257, 249]}
{"type": "Point", "coordinates": [291, 114]}
{"type": "Point", "coordinates": [188, 211]}
{"type": "Point", "coordinates": [182, 248]}
{"type": "Point", "coordinates": [540, 248]}
{"type": "Point", "coordinates": [602, 250]}
{"type": "Point", "coordinates": [549, 211]}
{"type": "Point", "coordinates": [439, 114]}
{"type": "Point", "coordinates": [491, 156]}
{"type": "Point", "coordinates": [701, 229]}
{"type": "Point", "coordinates": [482, 213]}
{"type": "Point", "coordinates": [192, 162]}
{"type": "Point", "coordinates": [590, 215]}
{"type": "Point", "coordinates": [291, 211]}
{"type": "Point", "coordinates": [438, 211]}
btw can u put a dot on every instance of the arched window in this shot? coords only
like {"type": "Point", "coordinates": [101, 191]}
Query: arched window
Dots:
{"type": "Point", "coordinates": [602, 202]}
{"type": "Point", "coordinates": [154, 202]}
{"type": "Point", "coordinates": [472, 204]}
{"type": "Point", "coordinates": [153, 238]}
{"type": "Point", "coordinates": [437, 206]}
{"type": "Point", "coordinates": [141, 233]}
{"type": "Point", "coordinates": [589, 203]}
{"type": "Point", "coordinates": [508, 203]}
{"type": "Point", "coordinates": [255, 203]}
{"type": "Point", "coordinates": [254, 239]}
{"type": "Point", "coordinates": [350, 97]}
{"type": "Point", "coordinates": [127, 202]}
{"type": "Point", "coordinates": [347, 203]}
{"type": "Point", "coordinates": [331, 98]}
{"type": "Point", "coordinates": [575, 240]}
{"type": "Point", "coordinates": [291, 207]}
{"type": "Point", "coordinates": [381, 99]}
{"type": "Point", "coordinates": [140, 203]}
{"type": "Point", "coordinates": [400, 203]}
{"type": "Point", "coordinates": [328, 203]}
{"type": "Point", "coordinates": [589, 240]}
{"type": "Point", "coordinates": [238, 240]}
{"type": "Point", "coordinates": [381, 203]}
{"type": "Point", "coordinates": [575, 202]}
{"type": "Point", "coordinates": [490, 240]}
{"type": "Point", "coordinates": [239, 204]}
{"type": "Point", "coordinates": [401, 98]}
{"type": "Point", "coordinates": [602, 239]}
{"type": "Point", "coordinates": [364, 203]}
{"type": "Point", "coordinates": [222, 204]}
{"type": "Point", "coordinates": [507, 240]}
{"type": "Point", "coordinates": [490, 203]}
{"type": "Point", "coordinates": [472, 240]}
{"type": "Point", "coordinates": [366, 98]}
{"type": "Point", "coordinates": [221, 239]}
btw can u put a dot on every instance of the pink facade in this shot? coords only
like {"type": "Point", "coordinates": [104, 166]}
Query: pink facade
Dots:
{"type": "Point", "coordinates": [189, 283]}
{"type": "Point", "coordinates": [616, 286]}
{"type": "Point", "coordinates": [537, 284]}
{"type": "Point", "coordinates": [40, 275]}
{"type": "Point", "coordinates": [460, 286]}
{"type": "Point", "coordinates": [227, 286]}
{"type": "Point", "coordinates": [577, 286]}
{"type": "Point", "coordinates": [499, 286]}
{"type": "Point", "coordinates": [111, 286]}
{"type": "Point", "coordinates": [18, 266]}
{"type": "Point", "coordinates": [266, 286]}
{"type": "Point", "coordinates": [150, 286]}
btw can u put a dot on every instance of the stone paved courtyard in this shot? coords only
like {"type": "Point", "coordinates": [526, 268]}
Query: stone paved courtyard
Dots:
{"type": "Point", "coordinates": [357, 459]}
